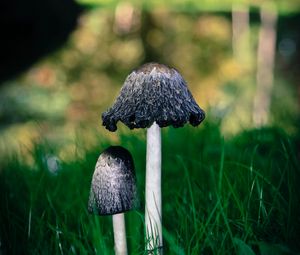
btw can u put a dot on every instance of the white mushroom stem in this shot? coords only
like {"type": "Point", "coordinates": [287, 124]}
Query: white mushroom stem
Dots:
{"type": "Point", "coordinates": [153, 214]}
{"type": "Point", "coordinates": [119, 234]}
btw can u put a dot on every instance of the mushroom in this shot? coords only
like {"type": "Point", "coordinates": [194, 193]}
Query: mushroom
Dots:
{"type": "Point", "coordinates": [153, 96]}
{"type": "Point", "coordinates": [113, 191]}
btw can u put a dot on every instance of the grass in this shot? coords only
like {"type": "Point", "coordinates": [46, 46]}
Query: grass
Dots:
{"type": "Point", "coordinates": [220, 196]}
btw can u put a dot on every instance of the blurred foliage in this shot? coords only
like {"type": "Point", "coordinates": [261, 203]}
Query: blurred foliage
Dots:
{"type": "Point", "coordinates": [20, 104]}
{"type": "Point", "coordinates": [204, 5]}
{"type": "Point", "coordinates": [63, 95]}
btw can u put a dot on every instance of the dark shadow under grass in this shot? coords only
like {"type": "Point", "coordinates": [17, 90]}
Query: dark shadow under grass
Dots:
{"type": "Point", "coordinates": [236, 196]}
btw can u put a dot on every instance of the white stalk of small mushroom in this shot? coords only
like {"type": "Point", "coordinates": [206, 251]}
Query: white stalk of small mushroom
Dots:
{"type": "Point", "coordinates": [119, 234]}
{"type": "Point", "coordinates": [153, 213]}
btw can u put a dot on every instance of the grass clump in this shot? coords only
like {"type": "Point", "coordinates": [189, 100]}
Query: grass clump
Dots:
{"type": "Point", "coordinates": [220, 196]}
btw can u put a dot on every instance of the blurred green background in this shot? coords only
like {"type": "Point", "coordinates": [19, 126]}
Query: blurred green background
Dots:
{"type": "Point", "coordinates": [241, 61]}
{"type": "Point", "coordinates": [66, 92]}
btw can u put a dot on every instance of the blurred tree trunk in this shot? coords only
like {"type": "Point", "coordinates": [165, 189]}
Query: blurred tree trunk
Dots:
{"type": "Point", "coordinates": [124, 18]}
{"type": "Point", "coordinates": [265, 66]}
{"type": "Point", "coordinates": [240, 34]}
{"type": "Point", "coordinates": [148, 24]}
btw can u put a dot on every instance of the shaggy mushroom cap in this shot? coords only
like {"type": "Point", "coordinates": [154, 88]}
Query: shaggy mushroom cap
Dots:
{"type": "Point", "coordinates": [113, 188]}
{"type": "Point", "coordinates": [153, 93]}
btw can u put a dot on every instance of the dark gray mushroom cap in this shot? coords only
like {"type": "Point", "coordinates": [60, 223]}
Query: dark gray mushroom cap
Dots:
{"type": "Point", "coordinates": [113, 188]}
{"type": "Point", "coordinates": [153, 93]}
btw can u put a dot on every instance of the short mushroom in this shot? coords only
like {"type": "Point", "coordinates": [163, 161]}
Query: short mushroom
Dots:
{"type": "Point", "coordinates": [153, 96]}
{"type": "Point", "coordinates": [113, 191]}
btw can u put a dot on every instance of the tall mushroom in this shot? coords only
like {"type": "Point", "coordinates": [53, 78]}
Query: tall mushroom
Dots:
{"type": "Point", "coordinates": [153, 96]}
{"type": "Point", "coordinates": [113, 191]}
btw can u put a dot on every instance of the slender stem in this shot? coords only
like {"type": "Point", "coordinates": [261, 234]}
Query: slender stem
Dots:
{"type": "Point", "coordinates": [119, 234]}
{"type": "Point", "coordinates": [153, 214]}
